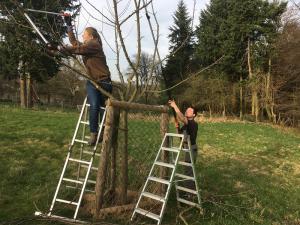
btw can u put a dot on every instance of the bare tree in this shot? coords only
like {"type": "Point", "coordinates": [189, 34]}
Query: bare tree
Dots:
{"type": "Point", "coordinates": [138, 81]}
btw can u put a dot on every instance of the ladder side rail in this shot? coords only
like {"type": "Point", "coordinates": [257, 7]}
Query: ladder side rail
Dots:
{"type": "Point", "coordinates": [100, 130]}
{"type": "Point", "coordinates": [59, 182]}
{"type": "Point", "coordinates": [171, 181]}
{"type": "Point", "coordinates": [173, 160]}
{"type": "Point", "coordinates": [103, 117]}
{"type": "Point", "coordinates": [147, 180]}
{"type": "Point", "coordinates": [79, 120]}
{"type": "Point", "coordinates": [82, 145]}
{"type": "Point", "coordinates": [83, 187]}
{"type": "Point", "coordinates": [194, 171]}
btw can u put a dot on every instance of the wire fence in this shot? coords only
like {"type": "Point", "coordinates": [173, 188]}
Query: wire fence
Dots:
{"type": "Point", "coordinates": [135, 140]}
{"type": "Point", "coordinates": [139, 133]}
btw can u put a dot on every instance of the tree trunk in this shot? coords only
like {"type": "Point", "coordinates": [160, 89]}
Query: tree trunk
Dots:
{"type": "Point", "coordinates": [272, 107]}
{"type": "Point", "coordinates": [255, 103]}
{"type": "Point", "coordinates": [28, 91]}
{"type": "Point", "coordinates": [241, 98]}
{"type": "Point", "coordinates": [113, 169]}
{"type": "Point", "coordinates": [102, 168]}
{"type": "Point", "coordinates": [224, 110]}
{"type": "Point", "coordinates": [123, 150]}
{"type": "Point", "coordinates": [22, 92]}
{"type": "Point", "coordinates": [254, 97]}
{"type": "Point", "coordinates": [233, 100]}
{"type": "Point", "coordinates": [269, 101]}
{"type": "Point", "coordinates": [250, 77]}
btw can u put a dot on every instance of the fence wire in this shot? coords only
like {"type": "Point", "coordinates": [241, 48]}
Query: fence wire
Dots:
{"type": "Point", "coordinates": [144, 140]}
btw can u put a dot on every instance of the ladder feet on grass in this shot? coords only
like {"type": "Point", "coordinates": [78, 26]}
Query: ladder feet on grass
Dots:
{"type": "Point", "coordinates": [82, 163]}
{"type": "Point", "coordinates": [166, 171]}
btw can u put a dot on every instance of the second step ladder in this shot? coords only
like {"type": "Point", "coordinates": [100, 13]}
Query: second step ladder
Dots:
{"type": "Point", "coordinates": [174, 164]}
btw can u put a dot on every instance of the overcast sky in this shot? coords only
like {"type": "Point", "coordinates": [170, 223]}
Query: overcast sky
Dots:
{"type": "Point", "coordinates": [164, 11]}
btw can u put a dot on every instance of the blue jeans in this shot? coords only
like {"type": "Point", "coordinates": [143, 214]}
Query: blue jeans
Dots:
{"type": "Point", "coordinates": [96, 100]}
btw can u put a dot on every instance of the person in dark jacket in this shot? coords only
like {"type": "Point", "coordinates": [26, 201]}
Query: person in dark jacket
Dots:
{"type": "Point", "coordinates": [95, 62]}
{"type": "Point", "coordinates": [189, 128]}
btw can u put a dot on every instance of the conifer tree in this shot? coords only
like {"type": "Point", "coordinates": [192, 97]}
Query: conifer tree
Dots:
{"type": "Point", "coordinates": [22, 52]}
{"type": "Point", "coordinates": [180, 47]}
{"type": "Point", "coordinates": [243, 33]}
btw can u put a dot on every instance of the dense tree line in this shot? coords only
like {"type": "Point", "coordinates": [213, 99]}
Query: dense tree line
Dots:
{"type": "Point", "coordinates": [22, 52]}
{"type": "Point", "coordinates": [258, 73]}
{"type": "Point", "coordinates": [255, 41]}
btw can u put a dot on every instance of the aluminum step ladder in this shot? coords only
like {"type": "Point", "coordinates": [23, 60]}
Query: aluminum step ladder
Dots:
{"type": "Point", "coordinates": [79, 138]}
{"type": "Point", "coordinates": [173, 144]}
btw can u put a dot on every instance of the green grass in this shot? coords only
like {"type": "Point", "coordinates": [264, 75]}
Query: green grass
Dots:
{"type": "Point", "coordinates": [249, 173]}
{"type": "Point", "coordinates": [33, 147]}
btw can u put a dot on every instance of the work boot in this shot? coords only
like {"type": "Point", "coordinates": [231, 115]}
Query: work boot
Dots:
{"type": "Point", "coordinates": [93, 139]}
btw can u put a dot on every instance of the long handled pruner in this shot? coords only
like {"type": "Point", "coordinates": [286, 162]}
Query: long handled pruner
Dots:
{"type": "Point", "coordinates": [36, 29]}
{"type": "Point", "coordinates": [23, 11]}
{"type": "Point", "coordinates": [47, 12]}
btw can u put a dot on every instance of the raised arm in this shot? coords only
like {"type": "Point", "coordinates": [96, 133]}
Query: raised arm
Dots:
{"type": "Point", "coordinates": [68, 20]}
{"type": "Point", "coordinates": [74, 42]}
{"type": "Point", "coordinates": [179, 114]}
{"type": "Point", "coordinates": [90, 48]}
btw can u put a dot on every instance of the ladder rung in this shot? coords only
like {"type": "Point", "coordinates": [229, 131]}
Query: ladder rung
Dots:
{"type": "Point", "coordinates": [147, 213]}
{"type": "Point", "coordinates": [92, 168]}
{"type": "Point", "coordinates": [159, 180]}
{"type": "Point", "coordinates": [87, 104]}
{"type": "Point", "coordinates": [88, 181]}
{"type": "Point", "coordinates": [80, 161]}
{"type": "Point", "coordinates": [184, 176]}
{"type": "Point", "coordinates": [153, 196]}
{"type": "Point", "coordinates": [73, 181]}
{"type": "Point", "coordinates": [84, 122]}
{"type": "Point", "coordinates": [186, 190]}
{"type": "Point", "coordinates": [184, 163]}
{"type": "Point", "coordinates": [187, 202]}
{"type": "Point", "coordinates": [91, 153]}
{"type": "Point", "coordinates": [171, 149]}
{"type": "Point", "coordinates": [174, 135]}
{"type": "Point", "coordinates": [165, 164]}
{"type": "Point", "coordinates": [185, 150]}
{"type": "Point", "coordinates": [67, 202]}
{"type": "Point", "coordinates": [81, 141]}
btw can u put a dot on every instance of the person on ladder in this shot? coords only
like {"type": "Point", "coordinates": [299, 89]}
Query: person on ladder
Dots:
{"type": "Point", "coordinates": [95, 62]}
{"type": "Point", "coordinates": [190, 127]}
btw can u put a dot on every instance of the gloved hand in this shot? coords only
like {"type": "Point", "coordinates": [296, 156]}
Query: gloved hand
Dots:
{"type": "Point", "coordinates": [68, 19]}
{"type": "Point", "coordinates": [52, 46]}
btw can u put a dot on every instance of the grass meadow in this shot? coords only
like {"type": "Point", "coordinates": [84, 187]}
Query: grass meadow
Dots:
{"type": "Point", "coordinates": [249, 173]}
